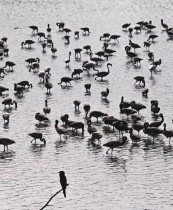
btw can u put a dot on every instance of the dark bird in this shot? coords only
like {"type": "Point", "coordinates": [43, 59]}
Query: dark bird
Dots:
{"type": "Point", "coordinates": [114, 37]}
{"type": "Point", "coordinates": [107, 50]}
{"type": "Point", "coordinates": [35, 66]}
{"type": "Point", "coordinates": [10, 64]}
{"type": "Point", "coordinates": [145, 92]}
{"type": "Point", "coordinates": [167, 133]}
{"type": "Point", "coordinates": [60, 131]}
{"type": "Point", "coordinates": [134, 137]}
{"type": "Point", "coordinates": [67, 30]}
{"type": "Point", "coordinates": [137, 28]}
{"type": "Point", "coordinates": [126, 25]}
{"type": "Point", "coordinates": [158, 123]}
{"type": "Point", "coordinates": [67, 39]}
{"type": "Point", "coordinates": [36, 135]}
{"type": "Point", "coordinates": [76, 126]}
{"type": "Point", "coordinates": [68, 60]}
{"type": "Point", "coordinates": [87, 87]}
{"type": "Point", "coordinates": [30, 61]}
{"type": "Point", "coordinates": [155, 107]}
{"type": "Point", "coordinates": [105, 93]}
{"type": "Point", "coordinates": [151, 131]}
{"type": "Point", "coordinates": [77, 52]}
{"type": "Point", "coordinates": [48, 85]}
{"type": "Point", "coordinates": [127, 111]}
{"type": "Point", "coordinates": [137, 60]}
{"type": "Point", "coordinates": [25, 83]}
{"type": "Point", "coordinates": [151, 56]}
{"type": "Point", "coordinates": [76, 34]}
{"type": "Point", "coordinates": [96, 136]}
{"type": "Point", "coordinates": [138, 127]}
{"type": "Point", "coordinates": [105, 36]}
{"type": "Point", "coordinates": [147, 45]}
{"type": "Point", "coordinates": [27, 42]}
{"type": "Point", "coordinates": [63, 182]}
{"type": "Point", "coordinates": [102, 74]}
{"type": "Point", "coordinates": [109, 120]}
{"type": "Point", "coordinates": [41, 35]}
{"type": "Point", "coordinates": [6, 142]}
{"type": "Point", "coordinates": [77, 72]}
{"type": "Point", "coordinates": [61, 25]}
{"type": "Point", "coordinates": [137, 106]}
{"type": "Point", "coordinates": [130, 54]}
{"type": "Point", "coordinates": [156, 63]}
{"type": "Point", "coordinates": [165, 26]}
{"type": "Point", "coordinates": [124, 104]}
{"type": "Point", "coordinates": [19, 89]}
{"type": "Point", "coordinates": [34, 28]}
{"type": "Point", "coordinates": [115, 144]}
{"type": "Point", "coordinates": [85, 30]}
{"type": "Point", "coordinates": [97, 114]}
{"type": "Point", "coordinates": [139, 79]}
{"type": "Point", "coordinates": [100, 53]}
{"type": "Point", "coordinates": [152, 37]}
{"type": "Point", "coordinates": [86, 108]}
{"type": "Point", "coordinates": [65, 80]}
{"type": "Point", "coordinates": [46, 109]}
{"type": "Point", "coordinates": [90, 129]}
{"type": "Point", "coordinates": [40, 117]}
{"type": "Point", "coordinates": [9, 101]}
{"type": "Point", "coordinates": [130, 31]}
{"type": "Point", "coordinates": [6, 117]}
{"type": "Point", "coordinates": [3, 89]}
{"type": "Point", "coordinates": [95, 59]}
{"type": "Point", "coordinates": [134, 45]}
{"type": "Point", "coordinates": [120, 126]}
{"type": "Point", "coordinates": [48, 28]}
{"type": "Point", "coordinates": [149, 27]}
{"type": "Point", "coordinates": [87, 48]}
{"type": "Point", "coordinates": [76, 104]}
{"type": "Point", "coordinates": [53, 50]}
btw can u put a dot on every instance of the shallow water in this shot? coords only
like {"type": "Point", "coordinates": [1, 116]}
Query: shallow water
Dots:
{"type": "Point", "coordinates": [134, 177]}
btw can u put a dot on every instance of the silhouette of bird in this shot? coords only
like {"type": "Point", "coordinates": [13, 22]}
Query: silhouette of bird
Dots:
{"type": "Point", "coordinates": [46, 109]}
{"type": "Point", "coordinates": [41, 35]}
{"type": "Point", "coordinates": [127, 111]}
{"type": "Point", "coordinates": [95, 59]}
{"type": "Point", "coordinates": [48, 28]}
{"type": "Point", "coordinates": [60, 131]}
{"type": "Point", "coordinates": [3, 89]}
{"type": "Point", "coordinates": [145, 92]}
{"type": "Point", "coordinates": [85, 30]}
{"type": "Point", "coordinates": [35, 66]}
{"type": "Point", "coordinates": [167, 133]}
{"type": "Point", "coordinates": [61, 25]}
{"type": "Point", "coordinates": [138, 127]}
{"type": "Point", "coordinates": [158, 123]}
{"type": "Point", "coordinates": [155, 107]}
{"type": "Point", "coordinates": [107, 50]}
{"type": "Point", "coordinates": [76, 104]}
{"type": "Point", "coordinates": [137, 60]}
{"type": "Point", "coordinates": [137, 106]}
{"type": "Point", "coordinates": [87, 48]}
{"type": "Point", "coordinates": [96, 136]}
{"type": "Point", "coordinates": [151, 56]}
{"type": "Point", "coordinates": [147, 45]}
{"type": "Point", "coordinates": [43, 46]}
{"type": "Point", "coordinates": [105, 36]}
{"type": "Point", "coordinates": [9, 101]}
{"type": "Point", "coordinates": [124, 104]}
{"type": "Point", "coordinates": [27, 42]}
{"type": "Point", "coordinates": [114, 37]}
{"type": "Point", "coordinates": [10, 64]}
{"type": "Point", "coordinates": [156, 63]}
{"type": "Point", "coordinates": [134, 45]}
{"type": "Point", "coordinates": [96, 114]}
{"type": "Point", "coordinates": [25, 83]}
{"type": "Point", "coordinates": [40, 117]}
{"type": "Point", "coordinates": [152, 36]}
{"type": "Point", "coordinates": [120, 126]}
{"type": "Point", "coordinates": [65, 80]}
{"type": "Point", "coordinates": [130, 31]}
{"type": "Point", "coordinates": [76, 126]}
{"type": "Point", "coordinates": [77, 52]}
{"type": "Point", "coordinates": [67, 30]}
{"type": "Point", "coordinates": [139, 79]}
{"type": "Point", "coordinates": [115, 144]}
{"type": "Point", "coordinates": [130, 54]}
{"type": "Point", "coordinates": [76, 34]}
{"type": "Point", "coordinates": [30, 61]}
{"type": "Point", "coordinates": [36, 135]}
{"type": "Point", "coordinates": [6, 142]}
{"type": "Point", "coordinates": [109, 120]}
{"type": "Point", "coordinates": [48, 85]}
{"type": "Point", "coordinates": [126, 25]}
{"type": "Point", "coordinates": [151, 131]}
{"type": "Point", "coordinates": [87, 87]}
{"type": "Point", "coordinates": [149, 26]}
{"type": "Point", "coordinates": [86, 108]}
{"type": "Point", "coordinates": [134, 137]}
{"type": "Point", "coordinates": [165, 26]}
{"type": "Point", "coordinates": [102, 74]}
{"type": "Point", "coordinates": [34, 28]}
{"type": "Point", "coordinates": [53, 49]}
{"type": "Point", "coordinates": [68, 60]}
{"type": "Point", "coordinates": [105, 93]}
{"type": "Point", "coordinates": [90, 129]}
{"type": "Point", "coordinates": [19, 89]}
{"type": "Point", "coordinates": [6, 117]}
{"type": "Point", "coordinates": [137, 28]}
{"type": "Point", "coordinates": [77, 72]}
{"type": "Point", "coordinates": [63, 182]}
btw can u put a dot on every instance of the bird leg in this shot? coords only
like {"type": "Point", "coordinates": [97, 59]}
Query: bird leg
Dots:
{"type": "Point", "coordinates": [108, 150]}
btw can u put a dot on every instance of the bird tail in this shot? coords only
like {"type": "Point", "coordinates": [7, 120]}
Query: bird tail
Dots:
{"type": "Point", "coordinates": [64, 192]}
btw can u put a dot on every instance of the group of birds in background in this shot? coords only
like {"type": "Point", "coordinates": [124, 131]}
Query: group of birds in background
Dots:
{"type": "Point", "coordinates": [131, 109]}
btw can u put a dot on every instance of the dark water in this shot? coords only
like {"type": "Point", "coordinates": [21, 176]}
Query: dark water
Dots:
{"type": "Point", "coordinates": [133, 177]}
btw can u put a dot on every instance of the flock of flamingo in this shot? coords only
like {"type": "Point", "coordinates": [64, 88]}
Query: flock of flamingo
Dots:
{"type": "Point", "coordinates": [131, 108]}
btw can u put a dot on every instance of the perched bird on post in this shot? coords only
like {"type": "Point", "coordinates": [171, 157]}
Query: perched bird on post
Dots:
{"type": "Point", "coordinates": [63, 182]}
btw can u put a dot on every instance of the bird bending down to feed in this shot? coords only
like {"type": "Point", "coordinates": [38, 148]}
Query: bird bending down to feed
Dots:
{"type": "Point", "coordinates": [65, 80]}
{"type": "Point", "coordinates": [115, 144]}
{"type": "Point", "coordinates": [46, 109]}
{"type": "Point", "coordinates": [105, 93]}
{"type": "Point", "coordinates": [40, 117]}
{"type": "Point", "coordinates": [36, 135]}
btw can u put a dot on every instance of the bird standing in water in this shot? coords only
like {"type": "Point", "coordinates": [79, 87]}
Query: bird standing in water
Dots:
{"type": "Point", "coordinates": [63, 182]}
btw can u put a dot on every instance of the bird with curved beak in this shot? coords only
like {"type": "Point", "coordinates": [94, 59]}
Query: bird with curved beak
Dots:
{"type": "Point", "coordinates": [63, 182]}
